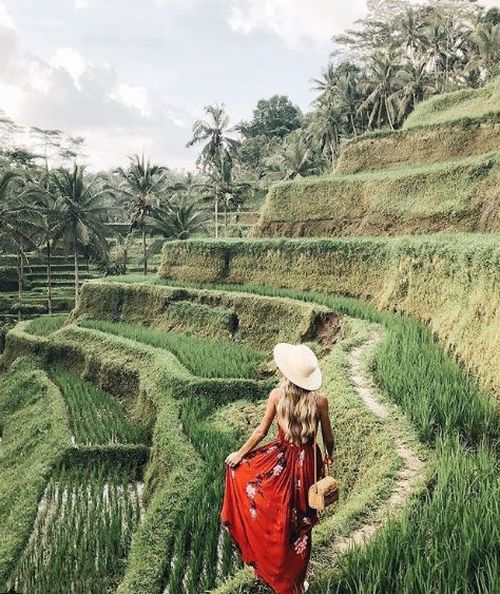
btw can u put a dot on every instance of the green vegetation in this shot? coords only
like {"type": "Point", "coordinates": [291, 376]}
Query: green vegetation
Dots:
{"type": "Point", "coordinates": [258, 321]}
{"type": "Point", "coordinates": [460, 509]}
{"type": "Point", "coordinates": [453, 196]}
{"type": "Point", "coordinates": [423, 144]}
{"type": "Point", "coordinates": [45, 325]}
{"type": "Point", "coordinates": [201, 551]}
{"type": "Point", "coordinates": [449, 282]}
{"type": "Point", "coordinates": [465, 103]}
{"type": "Point", "coordinates": [203, 357]}
{"type": "Point", "coordinates": [83, 530]}
{"type": "Point", "coordinates": [95, 417]}
{"type": "Point", "coordinates": [35, 433]}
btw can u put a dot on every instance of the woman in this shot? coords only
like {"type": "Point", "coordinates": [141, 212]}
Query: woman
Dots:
{"type": "Point", "coordinates": [265, 505]}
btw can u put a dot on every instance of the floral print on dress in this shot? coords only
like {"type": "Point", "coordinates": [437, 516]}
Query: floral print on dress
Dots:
{"type": "Point", "coordinates": [300, 545]}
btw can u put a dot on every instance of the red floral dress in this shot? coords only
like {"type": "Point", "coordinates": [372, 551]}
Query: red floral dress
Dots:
{"type": "Point", "coordinates": [266, 512]}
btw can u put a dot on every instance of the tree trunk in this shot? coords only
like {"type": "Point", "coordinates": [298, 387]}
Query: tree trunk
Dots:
{"type": "Point", "coordinates": [77, 272]}
{"type": "Point", "coordinates": [216, 217]}
{"type": "Point", "coordinates": [225, 219]}
{"type": "Point", "coordinates": [20, 273]}
{"type": "Point", "coordinates": [354, 130]}
{"type": "Point", "coordinates": [332, 155]}
{"type": "Point", "coordinates": [49, 278]}
{"type": "Point", "coordinates": [144, 251]}
{"type": "Point", "coordinates": [388, 112]}
{"type": "Point", "coordinates": [125, 260]}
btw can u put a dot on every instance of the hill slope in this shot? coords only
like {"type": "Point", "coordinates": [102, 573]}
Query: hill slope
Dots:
{"type": "Point", "coordinates": [439, 174]}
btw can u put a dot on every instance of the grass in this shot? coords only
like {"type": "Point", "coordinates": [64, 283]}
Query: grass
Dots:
{"type": "Point", "coordinates": [45, 325]}
{"type": "Point", "coordinates": [448, 282]}
{"type": "Point", "coordinates": [82, 532]}
{"type": "Point", "coordinates": [444, 196]}
{"type": "Point", "coordinates": [447, 541]}
{"type": "Point", "coordinates": [459, 104]}
{"type": "Point", "coordinates": [439, 143]}
{"type": "Point", "coordinates": [436, 394]}
{"type": "Point", "coordinates": [201, 551]}
{"type": "Point", "coordinates": [204, 357]}
{"type": "Point", "coordinates": [35, 434]}
{"type": "Point", "coordinates": [96, 418]}
{"type": "Point", "coordinates": [460, 506]}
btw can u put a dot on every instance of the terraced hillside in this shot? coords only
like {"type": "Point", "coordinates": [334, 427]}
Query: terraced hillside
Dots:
{"type": "Point", "coordinates": [148, 402]}
{"type": "Point", "coordinates": [440, 173]}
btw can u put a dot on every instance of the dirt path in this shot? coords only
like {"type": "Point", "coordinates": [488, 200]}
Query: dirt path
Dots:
{"type": "Point", "coordinates": [411, 463]}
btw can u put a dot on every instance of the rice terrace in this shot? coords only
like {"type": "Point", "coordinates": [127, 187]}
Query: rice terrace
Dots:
{"type": "Point", "coordinates": [140, 300]}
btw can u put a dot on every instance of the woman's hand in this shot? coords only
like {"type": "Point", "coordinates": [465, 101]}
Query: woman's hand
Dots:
{"type": "Point", "coordinates": [327, 460]}
{"type": "Point", "coordinates": [233, 459]}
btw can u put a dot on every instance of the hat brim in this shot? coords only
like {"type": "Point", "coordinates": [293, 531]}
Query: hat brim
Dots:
{"type": "Point", "coordinates": [285, 357]}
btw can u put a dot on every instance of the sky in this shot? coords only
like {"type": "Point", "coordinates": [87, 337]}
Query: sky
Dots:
{"type": "Point", "coordinates": [132, 76]}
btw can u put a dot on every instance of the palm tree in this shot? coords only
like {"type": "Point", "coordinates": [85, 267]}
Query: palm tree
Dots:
{"type": "Point", "coordinates": [324, 128]}
{"type": "Point", "coordinates": [180, 220]}
{"type": "Point", "coordinates": [221, 188]}
{"type": "Point", "coordinates": [40, 192]}
{"type": "Point", "coordinates": [338, 89]}
{"type": "Point", "coordinates": [380, 83]}
{"type": "Point", "coordinates": [143, 182]}
{"type": "Point", "coordinates": [411, 32]}
{"type": "Point", "coordinates": [416, 84]}
{"type": "Point", "coordinates": [295, 159]}
{"type": "Point", "coordinates": [18, 221]}
{"type": "Point", "coordinates": [82, 212]}
{"type": "Point", "coordinates": [215, 134]}
{"type": "Point", "coordinates": [486, 43]}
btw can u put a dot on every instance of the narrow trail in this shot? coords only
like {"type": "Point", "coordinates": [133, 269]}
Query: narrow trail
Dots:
{"type": "Point", "coordinates": [411, 463]}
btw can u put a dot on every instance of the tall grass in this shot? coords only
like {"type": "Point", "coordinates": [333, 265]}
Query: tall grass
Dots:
{"type": "Point", "coordinates": [204, 357]}
{"type": "Point", "coordinates": [45, 325]}
{"type": "Point", "coordinates": [82, 532]}
{"type": "Point", "coordinates": [438, 395]}
{"type": "Point", "coordinates": [95, 417]}
{"type": "Point", "coordinates": [202, 552]}
{"type": "Point", "coordinates": [447, 542]}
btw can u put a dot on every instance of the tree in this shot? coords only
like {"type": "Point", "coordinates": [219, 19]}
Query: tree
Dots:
{"type": "Point", "coordinates": [17, 222]}
{"type": "Point", "coordinates": [380, 85]}
{"type": "Point", "coordinates": [39, 191]}
{"type": "Point", "coordinates": [215, 134]}
{"type": "Point", "coordinates": [221, 188]}
{"type": "Point", "coordinates": [415, 84]}
{"type": "Point", "coordinates": [180, 220]}
{"type": "Point", "coordinates": [143, 183]}
{"type": "Point", "coordinates": [324, 128]}
{"type": "Point", "coordinates": [295, 159]}
{"type": "Point", "coordinates": [273, 118]}
{"type": "Point", "coordinates": [486, 57]}
{"type": "Point", "coordinates": [82, 212]}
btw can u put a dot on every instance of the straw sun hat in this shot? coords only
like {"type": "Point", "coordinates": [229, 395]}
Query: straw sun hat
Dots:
{"type": "Point", "coordinates": [299, 364]}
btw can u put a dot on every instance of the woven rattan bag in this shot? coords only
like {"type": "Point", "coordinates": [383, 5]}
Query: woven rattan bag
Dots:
{"type": "Point", "coordinates": [326, 490]}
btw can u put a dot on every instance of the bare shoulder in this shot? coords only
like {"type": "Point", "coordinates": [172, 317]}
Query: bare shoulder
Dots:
{"type": "Point", "coordinates": [321, 401]}
{"type": "Point", "coordinates": [275, 394]}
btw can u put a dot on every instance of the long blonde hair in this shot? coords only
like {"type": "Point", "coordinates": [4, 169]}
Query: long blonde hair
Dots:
{"type": "Point", "coordinates": [296, 412]}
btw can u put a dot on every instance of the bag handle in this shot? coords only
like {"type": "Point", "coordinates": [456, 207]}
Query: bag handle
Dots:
{"type": "Point", "coordinates": [316, 458]}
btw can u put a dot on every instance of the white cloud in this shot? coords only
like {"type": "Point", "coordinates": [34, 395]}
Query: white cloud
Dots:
{"type": "Point", "coordinates": [295, 21]}
{"type": "Point", "coordinates": [71, 60]}
{"type": "Point", "coordinates": [6, 21]}
{"type": "Point", "coordinates": [80, 4]}
{"type": "Point", "coordinates": [136, 97]}
{"type": "Point", "coordinates": [86, 97]}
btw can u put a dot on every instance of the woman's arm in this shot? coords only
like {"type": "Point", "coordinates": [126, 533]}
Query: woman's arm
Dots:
{"type": "Point", "coordinates": [259, 433]}
{"type": "Point", "coordinates": [326, 427]}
